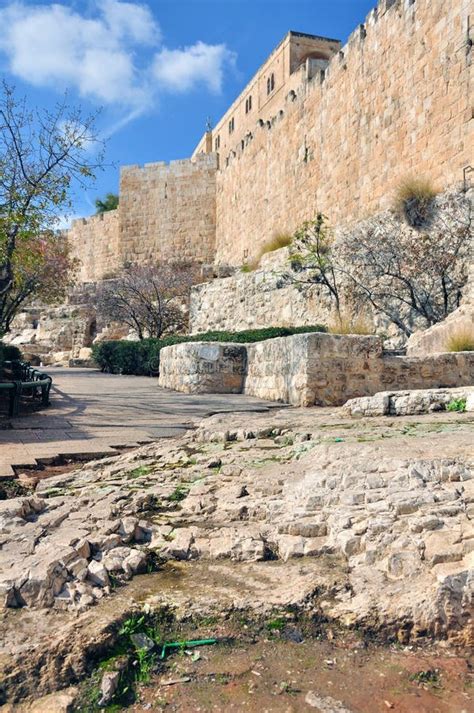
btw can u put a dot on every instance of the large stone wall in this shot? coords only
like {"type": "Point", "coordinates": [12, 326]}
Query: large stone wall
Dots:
{"type": "Point", "coordinates": [397, 100]}
{"type": "Point", "coordinates": [166, 212]}
{"type": "Point", "coordinates": [309, 369]}
{"type": "Point", "coordinates": [95, 242]}
{"type": "Point", "coordinates": [338, 133]}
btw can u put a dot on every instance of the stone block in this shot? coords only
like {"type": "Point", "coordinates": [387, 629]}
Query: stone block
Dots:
{"type": "Point", "coordinates": [203, 367]}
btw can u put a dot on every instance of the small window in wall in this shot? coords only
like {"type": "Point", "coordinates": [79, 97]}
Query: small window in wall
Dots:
{"type": "Point", "coordinates": [248, 104]}
{"type": "Point", "coordinates": [217, 143]}
{"type": "Point", "coordinates": [270, 83]}
{"type": "Point", "coordinates": [231, 125]}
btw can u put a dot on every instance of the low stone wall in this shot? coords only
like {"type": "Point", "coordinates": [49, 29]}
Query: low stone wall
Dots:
{"type": "Point", "coordinates": [308, 369]}
{"type": "Point", "coordinates": [203, 367]}
{"type": "Point", "coordinates": [313, 369]}
{"type": "Point", "coordinates": [327, 370]}
{"type": "Point", "coordinates": [409, 403]}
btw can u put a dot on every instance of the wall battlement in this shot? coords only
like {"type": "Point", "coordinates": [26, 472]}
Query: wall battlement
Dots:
{"type": "Point", "coordinates": [320, 127]}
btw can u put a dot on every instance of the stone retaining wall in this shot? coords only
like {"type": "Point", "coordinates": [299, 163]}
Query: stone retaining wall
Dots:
{"type": "Point", "coordinates": [203, 367]}
{"type": "Point", "coordinates": [253, 300]}
{"type": "Point", "coordinates": [308, 369]}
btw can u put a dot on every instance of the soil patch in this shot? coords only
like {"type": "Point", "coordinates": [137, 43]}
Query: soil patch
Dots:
{"type": "Point", "coordinates": [284, 671]}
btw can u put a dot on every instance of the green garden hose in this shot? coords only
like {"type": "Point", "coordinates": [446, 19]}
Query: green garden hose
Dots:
{"type": "Point", "coordinates": [185, 645]}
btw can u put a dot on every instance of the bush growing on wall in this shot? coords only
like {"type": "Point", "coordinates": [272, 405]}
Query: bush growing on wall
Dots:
{"type": "Point", "coordinates": [143, 357]}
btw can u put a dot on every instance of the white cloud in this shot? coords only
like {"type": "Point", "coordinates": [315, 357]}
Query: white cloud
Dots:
{"type": "Point", "coordinates": [96, 54]}
{"type": "Point", "coordinates": [182, 69]}
{"type": "Point", "coordinates": [51, 44]}
{"type": "Point", "coordinates": [127, 19]}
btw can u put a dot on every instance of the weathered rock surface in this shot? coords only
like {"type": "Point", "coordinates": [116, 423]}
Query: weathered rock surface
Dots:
{"type": "Point", "coordinates": [367, 523]}
{"type": "Point", "coordinates": [408, 403]}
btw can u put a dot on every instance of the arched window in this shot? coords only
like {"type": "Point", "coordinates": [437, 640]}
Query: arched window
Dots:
{"type": "Point", "coordinates": [231, 125]}
{"type": "Point", "coordinates": [217, 143]}
{"type": "Point", "coordinates": [248, 104]}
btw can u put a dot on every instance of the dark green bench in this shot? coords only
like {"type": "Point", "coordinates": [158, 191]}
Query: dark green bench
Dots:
{"type": "Point", "coordinates": [12, 393]}
{"type": "Point", "coordinates": [22, 379]}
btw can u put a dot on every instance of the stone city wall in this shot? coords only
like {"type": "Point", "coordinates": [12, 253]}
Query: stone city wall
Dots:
{"type": "Point", "coordinates": [166, 212]}
{"type": "Point", "coordinates": [309, 369]}
{"type": "Point", "coordinates": [95, 241]}
{"type": "Point", "coordinates": [339, 132]}
{"type": "Point", "coordinates": [395, 101]}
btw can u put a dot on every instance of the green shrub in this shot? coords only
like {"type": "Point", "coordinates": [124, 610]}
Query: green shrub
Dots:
{"type": "Point", "coordinates": [143, 358]}
{"type": "Point", "coordinates": [457, 405]}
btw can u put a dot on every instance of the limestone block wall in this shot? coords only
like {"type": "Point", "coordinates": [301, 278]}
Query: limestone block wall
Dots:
{"type": "Point", "coordinates": [308, 369]}
{"type": "Point", "coordinates": [203, 367]}
{"type": "Point", "coordinates": [327, 370]}
{"type": "Point", "coordinates": [167, 212]}
{"type": "Point", "coordinates": [95, 242]}
{"type": "Point", "coordinates": [396, 100]}
{"type": "Point", "coordinates": [252, 300]}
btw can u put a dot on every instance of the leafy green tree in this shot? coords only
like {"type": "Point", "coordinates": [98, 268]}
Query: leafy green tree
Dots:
{"type": "Point", "coordinates": [43, 154]}
{"type": "Point", "coordinates": [110, 202]}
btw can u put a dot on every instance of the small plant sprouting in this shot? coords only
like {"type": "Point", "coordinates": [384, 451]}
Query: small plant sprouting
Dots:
{"type": "Point", "coordinates": [139, 471]}
{"type": "Point", "coordinates": [178, 494]}
{"type": "Point", "coordinates": [430, 677]}
{"type": "Point", "coordinates": [145, 663]}
{"type": "Point", "coordinates": [277, 624]}
{"type": "Point", "coordinates": [457, 405]}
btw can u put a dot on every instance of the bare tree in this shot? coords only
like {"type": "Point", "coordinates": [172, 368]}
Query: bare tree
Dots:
{"type": "Point", "coordinates": [414, 276]}
{"type": "Point", "coordinates": [42, 154]}
{"type": "Point", "coordinates": [151, 300]}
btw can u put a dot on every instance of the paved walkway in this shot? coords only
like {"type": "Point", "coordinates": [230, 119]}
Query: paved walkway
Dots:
{"type": "Point", "coordinates": [91, 412]}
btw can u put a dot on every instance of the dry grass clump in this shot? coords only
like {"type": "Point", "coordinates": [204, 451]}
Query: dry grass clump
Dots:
{"type": "Point", "coordinates": [462, 340]}
{"type": "Point", "coordinates": [413, 200]}
{"type": "Point", "coordinates": [278, 241]}
{"type": "Point", "coordinates": [350, 325]}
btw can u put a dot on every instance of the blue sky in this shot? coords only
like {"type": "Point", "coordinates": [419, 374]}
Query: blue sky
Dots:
{"type": "Point", "coordinates": [157, 69]}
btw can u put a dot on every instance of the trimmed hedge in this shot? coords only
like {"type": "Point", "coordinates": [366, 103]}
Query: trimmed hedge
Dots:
{"type": "Point", "coordinates": [143, 358]}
